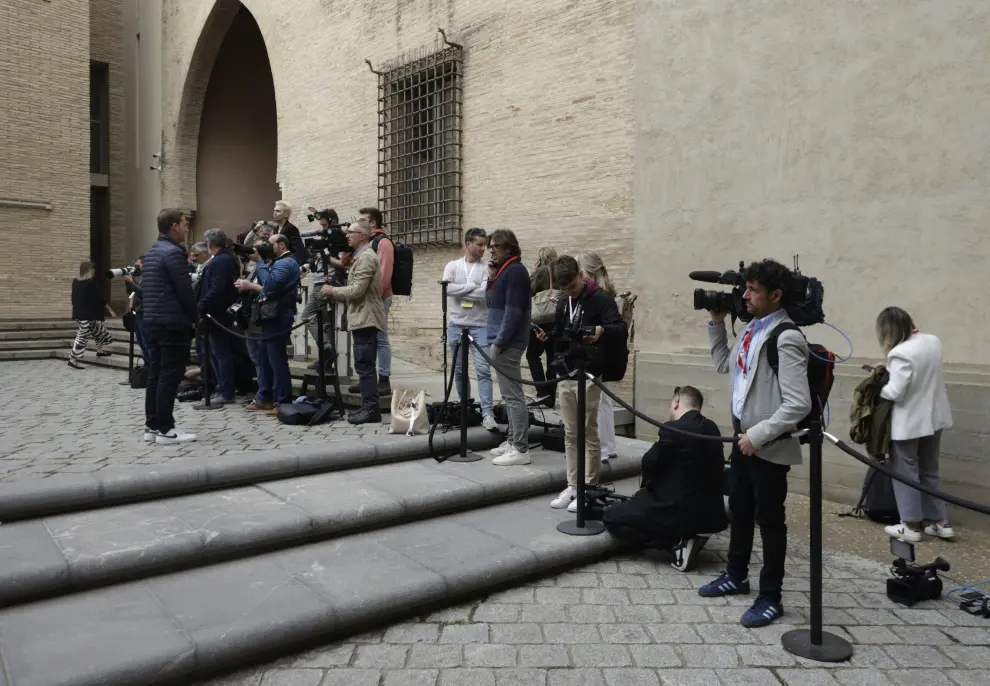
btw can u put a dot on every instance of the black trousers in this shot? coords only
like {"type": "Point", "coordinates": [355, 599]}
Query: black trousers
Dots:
{"type": "Point", "coordinates": [169, 350]}
{"type": "Point", "coordinates": [535, 352]}
{"type": "Point", "coordinates": [757, 492]}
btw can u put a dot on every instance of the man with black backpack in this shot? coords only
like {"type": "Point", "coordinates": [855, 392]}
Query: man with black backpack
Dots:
{"type": "Point", "coordinates": [768, 402]}
{"type": "Point", "coordinates": [587, 323]}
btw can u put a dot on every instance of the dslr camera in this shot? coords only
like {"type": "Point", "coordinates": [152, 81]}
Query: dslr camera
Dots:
{"type": "Point", "coordinates": [803, 298]}
{"type": "Point", "coordinates": [133, 270]}
{"type": "Point", "coordinates": [264, 250]}
{"type": "Point", "coordinates": [911, 583]}
{"type": "Point", "coordinates": [571, 346]}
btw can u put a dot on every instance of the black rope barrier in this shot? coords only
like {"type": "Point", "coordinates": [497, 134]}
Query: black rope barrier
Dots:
{"type": "Point", "coordinates": [232, 332]}
{"type": "Point", "coordinates": [508, 376]}
{"type": "Point", "coordinates": [883, 469]}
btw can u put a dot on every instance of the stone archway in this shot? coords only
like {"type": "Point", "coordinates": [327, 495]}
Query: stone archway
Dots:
{"type": "Point", "coordinates": [237, 153]}
{"type": "Point", "coordinates": [203, 101]}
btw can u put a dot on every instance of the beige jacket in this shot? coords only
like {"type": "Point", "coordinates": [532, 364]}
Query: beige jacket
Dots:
{"type": "Point", "coordinates": [363, 292]}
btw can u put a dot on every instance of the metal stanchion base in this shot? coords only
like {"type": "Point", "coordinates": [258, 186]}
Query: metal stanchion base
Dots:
{"type": "Point", "coordinates": [470, 457]}
{"type": "Point", "coordinates": [592, 527]}
{"type": "Point", "coordinates": [833, 648]}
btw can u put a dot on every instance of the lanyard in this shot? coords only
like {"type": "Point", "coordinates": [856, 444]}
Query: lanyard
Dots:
{"type": "Point", "coordinates": [500, 270]}
{"type": "Point", "coordinates": [570, 307]}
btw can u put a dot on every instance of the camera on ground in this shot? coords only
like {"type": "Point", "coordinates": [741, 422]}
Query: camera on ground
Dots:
{"type": "Point", "coordinates": [912, 583]}
{"type": "Point", "coordinates": [802, 300]}
{"type": "Point", "coordinates": [133, 270]}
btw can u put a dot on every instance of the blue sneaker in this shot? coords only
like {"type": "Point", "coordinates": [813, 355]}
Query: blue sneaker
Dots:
{"type": "Point", "coordinates": [724, 585]}
{"type": "Point", "coordinates": [763, 612]}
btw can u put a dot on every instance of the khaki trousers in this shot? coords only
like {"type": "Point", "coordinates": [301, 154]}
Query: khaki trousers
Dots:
{"type": "Point", "coordinates": [567, 397]}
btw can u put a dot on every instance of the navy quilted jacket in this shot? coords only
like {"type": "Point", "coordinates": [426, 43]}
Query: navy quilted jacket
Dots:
{"type": "Point", "coordinates": [168, 292]}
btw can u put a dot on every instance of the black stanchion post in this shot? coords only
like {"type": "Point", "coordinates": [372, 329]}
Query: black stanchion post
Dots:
{"type": "Point", "coordinates": [130, 355]}
{"type": "Point", "coordinates": [204, 364]}
{"type": "Point", "coordinates": [321, 361]}
{"type": "Point", "coordinates": [465, 455]}
{"type": "Point", "coordinates": [813, 643]}
{"type": "Point", "coordinates": [580, 526]}
{"type": "Point", "coordinates": [443, 333]}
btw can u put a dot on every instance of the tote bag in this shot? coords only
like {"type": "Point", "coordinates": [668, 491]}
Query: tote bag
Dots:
{"type": "Point", "coordinates": [545, 305]}
{"type": "Point", "coordinates": [409, 414]}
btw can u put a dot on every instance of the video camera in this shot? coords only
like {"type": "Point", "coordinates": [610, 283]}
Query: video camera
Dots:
{"type": "Point", "coordinates": [571, 346]}
{"type": "Point", "coordinates": [133, 270]}
{"type": "Point", "coordinates": [912, 583]}
{"type": "Point", "coordinates": [331, 238]}
{"type": "Point", "coordinates": [802, 300]}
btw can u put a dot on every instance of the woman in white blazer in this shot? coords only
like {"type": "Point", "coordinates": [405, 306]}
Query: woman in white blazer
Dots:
{"type": "Point", "coordinates": [920, 413]}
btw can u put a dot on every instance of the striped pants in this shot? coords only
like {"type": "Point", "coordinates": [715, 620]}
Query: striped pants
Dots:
{"type": "Point", "coordinates": [96, 330]}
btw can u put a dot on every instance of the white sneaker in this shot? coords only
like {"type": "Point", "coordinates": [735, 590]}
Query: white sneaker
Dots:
{"type": "Point", "coordinates": [902, 532]}
{"type": "Point", "coordinates": [565, 498]}
{"type": "Point", "coordinates": [150, 435]}
{"type": "Point", "coordinates": [940, 530]}
{"type": "Point", "coordinates": [512, 457]}
{"type": "Point", "coordinates": [489, 423]}
{"type": "Point", "coordinates": [174, 437]}
{"type": "Point", "coordinates": [501, 450]}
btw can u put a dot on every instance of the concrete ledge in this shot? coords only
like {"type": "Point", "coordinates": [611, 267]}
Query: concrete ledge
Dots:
{"type": "Point", "coordinates": [56, 555]}
{"type": "Point", "coordinates": [58, 494]}
{"type": "Point", "coordinates": [172, 629]}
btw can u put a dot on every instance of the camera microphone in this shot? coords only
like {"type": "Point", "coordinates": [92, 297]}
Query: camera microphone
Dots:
{"type": "Point", "coordinates": [706, 276]}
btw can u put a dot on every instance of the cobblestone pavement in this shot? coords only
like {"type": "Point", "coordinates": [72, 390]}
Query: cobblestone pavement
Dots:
{"type": "Point", "coordinates": [633, 620]}
{"type": "Point", "coordinates": [97, 423]}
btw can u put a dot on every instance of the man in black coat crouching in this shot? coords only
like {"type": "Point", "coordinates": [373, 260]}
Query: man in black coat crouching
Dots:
{"type": "Point", "coordinates": [680, 503]}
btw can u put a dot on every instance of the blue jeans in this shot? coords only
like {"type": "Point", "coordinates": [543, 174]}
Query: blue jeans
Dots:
{"type": "Point", "coordinates": [384, 345]}
{"type": "Point", "coordinates": [222, 363]}
{"type": "Point", "coordinates": [141, 338]}
{"type": "Point", "coordinates": [481, 367]}
{"type": "Point", "coordinates": [274, 378]}
{"type": "Point", "coordinates": [365, 352]}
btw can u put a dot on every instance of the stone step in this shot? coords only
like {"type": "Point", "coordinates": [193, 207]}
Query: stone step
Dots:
{"type": "Point", "coordinates": [45, 344]}
{"type": "Point", "coordinates": [66, 335]}
{"type": "Point", "coordinates": [65, 493]}
{"type": "Point", "coordinates": [15, 355]}
{"type": "Point", "coordinates": [180, 626]}
{"type": "Point", "coordinates": [55, 555]}
{"type": "Point", "coordinates": [11, 325]}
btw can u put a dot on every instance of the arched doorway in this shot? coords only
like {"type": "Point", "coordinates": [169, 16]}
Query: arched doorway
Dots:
{"type": "Point", "coordinates": [237, 148]}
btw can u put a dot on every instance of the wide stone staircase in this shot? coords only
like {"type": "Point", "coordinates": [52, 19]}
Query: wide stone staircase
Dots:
{"type": "Point", "coordinates": [161, 575]}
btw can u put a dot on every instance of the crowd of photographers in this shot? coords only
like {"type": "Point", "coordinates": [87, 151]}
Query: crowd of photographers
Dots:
{"type": "Point", "coordinates": [563, 316]}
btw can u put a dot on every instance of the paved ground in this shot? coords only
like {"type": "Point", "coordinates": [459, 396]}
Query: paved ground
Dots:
{"type": "Point", "coordinates": [635, 621]}
{"type": "Point", "coordinates": [623, 621]}
{"type": "Point", "coordinates": [100, 423]}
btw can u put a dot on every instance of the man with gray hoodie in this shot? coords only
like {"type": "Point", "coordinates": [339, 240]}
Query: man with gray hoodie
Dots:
{"type": "Point", "coordinates": [467, 279]}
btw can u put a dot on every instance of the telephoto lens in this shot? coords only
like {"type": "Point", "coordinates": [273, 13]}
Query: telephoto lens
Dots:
{"type": "Point", "coordinates": [123, 271]}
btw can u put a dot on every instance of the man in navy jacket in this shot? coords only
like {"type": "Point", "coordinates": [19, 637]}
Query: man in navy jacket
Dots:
{"type": "Point", "coordinates": [169, 316]}
{"type": "Point", "coordinates": [217, 293]}
{"type": "Point", "coordinates": [509, 310]}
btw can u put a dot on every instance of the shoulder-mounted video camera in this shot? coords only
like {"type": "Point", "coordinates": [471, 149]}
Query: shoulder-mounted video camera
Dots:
{"type": "Point", "coordinates": [803, 297]}
{"type": "Point", "coordinates": [911, 583]}
{"type": "Point", "coordinates": [330, 238]}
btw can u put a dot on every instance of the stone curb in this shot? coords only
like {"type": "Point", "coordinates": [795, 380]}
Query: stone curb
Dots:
{"type": "Point", "coordinates": [67, 493]}
{"type": "Point", "coordinates": [171, 629]}
{"type": "Point", "coordinates": [56, 555]}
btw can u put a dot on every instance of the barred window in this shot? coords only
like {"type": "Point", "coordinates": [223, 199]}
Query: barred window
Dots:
{"type": "Point", "coordinates": [419, 148]}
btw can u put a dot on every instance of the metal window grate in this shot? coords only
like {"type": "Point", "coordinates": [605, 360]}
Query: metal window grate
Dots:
{"type": "Point", "coordinates": [419, 148]}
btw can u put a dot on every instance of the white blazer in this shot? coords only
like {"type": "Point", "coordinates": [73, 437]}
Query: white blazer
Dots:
{"type": "Point", "coordinates": [917, 389]}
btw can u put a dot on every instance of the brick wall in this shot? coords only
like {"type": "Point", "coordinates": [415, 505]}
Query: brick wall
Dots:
{"type": "Point", "coordinates": [44, 97]}
{"type": "Point", "coordinates": [548, 123]}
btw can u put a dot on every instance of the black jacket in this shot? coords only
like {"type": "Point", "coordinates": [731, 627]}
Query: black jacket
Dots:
{"type": "Point", "coordinates": [683, 476]}
{"type": "Point", "coordinates": [217, 291]}
{"type": "Point", "coordinates": [89, 300]}
{"type": "Point", "coordinates": [596, 307]}
{"type": "Point", "coordinates": [168, 294]}
{"type": "Point", "coordinates": [296, 243]}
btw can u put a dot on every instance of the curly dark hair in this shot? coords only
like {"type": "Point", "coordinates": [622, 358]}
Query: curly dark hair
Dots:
{"type": "Point", "coordinates": [770, 274]}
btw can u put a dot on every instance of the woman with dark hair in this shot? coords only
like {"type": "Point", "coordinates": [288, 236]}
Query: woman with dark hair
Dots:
{"type": "Point", "coordinates": [920, 413]}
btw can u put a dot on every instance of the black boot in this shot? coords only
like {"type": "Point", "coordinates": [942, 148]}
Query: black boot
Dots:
{"type": "Point", "coordinates": [384, 387]}
{"type": "Point", "coordinates": [365, 417]}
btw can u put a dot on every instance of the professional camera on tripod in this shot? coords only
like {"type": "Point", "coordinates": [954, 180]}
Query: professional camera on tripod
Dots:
{"type": "Point", "coordinates": [911, 583]}
{"type": "Point", "coordinates": [572, 345]}
{"type": "Point", "coordinates": [802, 300]}
{"type": "Point", "coordinates": [327, 241]}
